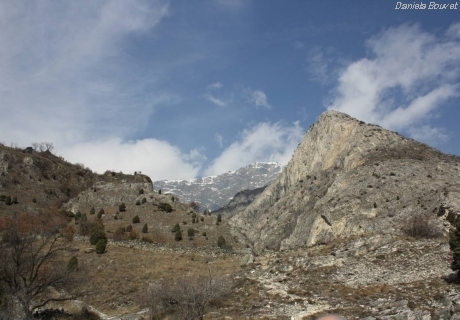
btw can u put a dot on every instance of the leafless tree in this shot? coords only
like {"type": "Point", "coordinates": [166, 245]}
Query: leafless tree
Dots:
{"type": "Point", "coordinates": [32, 265]}
{"type": "Point", "coordinates": [194, 205]}
{"type": "Point", "coordinates": [49, 146]}
{"type": "Point", "coordinates": [35, 145]}
{"type": "Point", "coordinates": [188, 297]}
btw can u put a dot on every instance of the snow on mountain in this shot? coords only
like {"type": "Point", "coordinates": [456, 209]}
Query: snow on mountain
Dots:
{"type": "Point", "coordinates": [215, 191]}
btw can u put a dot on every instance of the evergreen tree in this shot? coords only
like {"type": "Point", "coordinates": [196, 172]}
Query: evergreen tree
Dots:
{"type": "Point", "coordinates": [100, 246]}
{"type": "Point", "coordinates": [178, 235]}
{"type": "Point", "coordinates": [92, 211]}
{"type": "Point", "coordinates": [145, 228]}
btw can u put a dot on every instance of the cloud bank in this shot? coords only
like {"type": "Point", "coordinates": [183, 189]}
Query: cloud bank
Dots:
{"type": "Point", "coordinates": [409, 76]}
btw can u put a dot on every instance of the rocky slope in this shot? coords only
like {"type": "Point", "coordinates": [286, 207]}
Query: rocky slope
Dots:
{"type": "Point", "coordinates": [239, 202]}
{"type": "Point", "coordinates": [347, 179]}
{"type": "Point", "coordinates": [215, 191]}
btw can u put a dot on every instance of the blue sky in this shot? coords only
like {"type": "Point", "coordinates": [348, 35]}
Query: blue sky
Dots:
{"type": "Point", "coordinates": [181, 89]}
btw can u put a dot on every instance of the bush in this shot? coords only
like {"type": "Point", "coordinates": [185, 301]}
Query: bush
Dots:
{"type": "Point", "coordinates": [138, 203]}
{"type": "Point", "coordinates": [159, 191]}
{"type": "Point", "coordinates": [122, 207]}
{"type": "Point", "coordinates": [221, 242]}
{"type": "Point", "coordinates": [420, 226]}
{"type": "Point", "coordinates": [165, 207]}
{"type": "Point", "coordinates": [34, 200]}
{"type": "Point", "coordinates": [204, 234]}
{"type": "Point", "coordinates": [78, 216]}
{"type": "Point", "coordinates": [219, 218]}
{"type": "Point", "coordinates": [191, 232]}
{"type": "Point", "coordinates": [194, 215]}
{"type": "Point", "coordinates": [118, 235]}
{"type": "Point", "coordinates": [15, 200]}
{"type": "Point", "coordinates": [97, 235]}
{"type": "Point", "coordinates": [100, 213]}
{"type": "Point", "coordinates": [175, 228]}
{"type": "Point", "coordinates": [141, 191]}
{"type": "Point", "coordinates": [100, 246]}
{"type": "Point", "coordinates": [92, 211]}
{"type": "Point", "coordinates": [145, 228]}
{"type": "Point", "coordinates": [136, 219]}
{"type": "Point", "coordinates": [129, 228]}
{"type": "Point", "coordinates": [202, 219]}
{"type": "Point", "coordinates": [178, 235]}
{"type": "Point", "coordinates": [8, 201]}
{"type": "Point", "coordinates": [73, 263]}
{"type": "Point", "coordinates": [147, 239]}
{"type": "Point", "coordinates": [144, 200]}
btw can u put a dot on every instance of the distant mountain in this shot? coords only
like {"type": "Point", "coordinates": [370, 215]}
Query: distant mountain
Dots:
{"type": "Point", "coordinates": [216, 191]}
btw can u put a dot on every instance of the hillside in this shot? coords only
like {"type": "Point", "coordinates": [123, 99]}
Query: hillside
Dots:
{"type": "Point", "coordinates": [214, 192]}
{"type": "Point", "coordinates": [41, 179]}
{"type": "Point", "coordinates": [349, 179]}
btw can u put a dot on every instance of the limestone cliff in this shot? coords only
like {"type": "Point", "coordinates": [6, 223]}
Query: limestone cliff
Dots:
{"type": "Point", "coordinates": [345, 179]}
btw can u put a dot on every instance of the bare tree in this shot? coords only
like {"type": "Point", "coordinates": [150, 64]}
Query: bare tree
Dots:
{"type": "Point", "coordinates": [32, 264]}
{"type": "Point", "coordinates": [35, 145]}
{"type": "Point", "coordinates": [194, 205]}
{"type": "Point", "coordinates": [49, 146]}
{"type": "Point", "coordinates": [189, 297]}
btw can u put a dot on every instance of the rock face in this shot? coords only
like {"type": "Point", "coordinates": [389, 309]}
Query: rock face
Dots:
{"type": "Point", "coordinates": [214, 192]}
{"type": "Point", "coordinates": [348, 179]}
{"type": "Point", "coordinates": [239, 202]}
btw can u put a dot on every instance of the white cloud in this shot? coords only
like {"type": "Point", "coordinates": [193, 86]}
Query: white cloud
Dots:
{"type": "Point", "coordinates": [263, 142]}
{"type": "Point", "coordinates": [409, 75]}
{"type": "Point", "coordinates": [157, 159]}
{"type": "Point", "coordinates": [65, 74]}
{"type": "Point", "coordinates": [214, 100]}
{"type": "Point", "coordinates": [219, 139]}
{"type": "Point", "coordinates": [258, 97]}
{"type": "Point", "coordinates": [215, 85]}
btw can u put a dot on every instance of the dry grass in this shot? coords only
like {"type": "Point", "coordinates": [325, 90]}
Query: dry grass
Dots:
{"type": "Point", "coordinates": [117, 278]}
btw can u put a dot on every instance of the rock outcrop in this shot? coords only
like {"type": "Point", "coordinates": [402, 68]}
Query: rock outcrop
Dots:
{"type": "Point", "coordinates": [346, 179]}
{"type": "Point", "coordinates": [239, 202]}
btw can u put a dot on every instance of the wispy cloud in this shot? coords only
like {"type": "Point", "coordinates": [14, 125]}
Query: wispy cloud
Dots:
{"type": "Point", "coordinates": [214, 100]}
{"type": "Point", "coordinates": [66, 76]}
{"type": "Point", "coordinates": [263, 142]}
{"type": "Point", "coordinates": [215, 85]}
{"type": "Point", "coordinates": [218, 139]}
{"type": "Point", "coordinates": [410, 74]}
{"type": "Point", "coordinates": [258, 98]}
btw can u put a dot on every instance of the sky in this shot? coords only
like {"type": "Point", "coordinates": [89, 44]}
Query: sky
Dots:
{"type": "Point", "coordinates": [185, 89]}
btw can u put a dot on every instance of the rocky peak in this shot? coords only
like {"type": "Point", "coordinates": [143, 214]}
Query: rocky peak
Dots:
{"type": "Point", "coordinates": [349, 178]}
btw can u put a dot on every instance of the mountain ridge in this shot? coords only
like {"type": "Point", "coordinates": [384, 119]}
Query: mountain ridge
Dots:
{"type": "Point", "coordinates": [348, 178]}
{"type": "Point", "coordinates": [214, 192]}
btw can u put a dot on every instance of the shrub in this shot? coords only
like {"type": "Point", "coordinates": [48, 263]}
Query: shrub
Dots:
{"type": "Point", "coordinates": [191, 232]}
{"type": "Point", "coordinates": [100, 213]}
{"type": "Point", "coordinates": [122, 207]}
{"type": "Point", "coordinates": [73, 263]}
{"type": "Point", "coordinates": [202, 219]}
{"type": "Point", "coordinates": [97, 235]}
{"type": "Point", "coordinates": [172, 198]}
{"type": "Point", "coordinates": [8, 201]}
{"type": "Point", "coordinates": [92, 211]}
{"type": "Point", "coordinates": [34, 200]}
{"type": "Point", "coordinates": [144, 200]}
{"type": "Point", "coordinates": [138, 203]}
{"type": "Point", "coordinates": [204, 234]}
{"type": "Point", "coordinates": [175, 228]}
{"type": "Point", "coordinates": [2, 197]}
{"type": "Point", "coordinates": [184, 222]}
{"type": "Point", "coordinates": [15, 200]}
{"type": "Point", "coordinates": [78, 216]}
{"type": "Point", "coordinates": [141, 191]}
{"type": "Point", "coordinates": [100, 246]}
{"type": "Point", "coordinates": [420, 225]}
{"type": "Point", "coordinates": [219, 218]}
{"type": "Point", "coordinates": [129, 228]}
{"type": "Point", "coordinates": [165, 207]}
{"type": "Point", "coordinates": [147, 239]}
{"type": "Point", "coordinates": [193, 220]}
{"type": "Point", "coordinates": [178, 235]}
{"type": "Point", "coordinates": [159, 191]}
{"type": "Point", "coordinates": [84, 218]}
{"type": "Point", "coordinates": [221, 242]}
{"type": "Point", "coordinates": [194, 205]}
{"type": "Point", "coordinates": [118, 235]}
{"type": "Point", "coordinates": [136, 219]}
{"type": "Point", "coordinates": [194, 215]}
{"type": "Point", "coordinates": [145, 228]}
